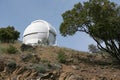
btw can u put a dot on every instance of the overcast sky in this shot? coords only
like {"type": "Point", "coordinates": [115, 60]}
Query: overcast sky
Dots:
{"type": "Point", "coordinates": [20, 13]}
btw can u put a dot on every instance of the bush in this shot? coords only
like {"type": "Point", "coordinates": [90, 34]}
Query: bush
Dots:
{"type": "Point", "coordinates": [25, 47]}
{"type": "Point", "coordinates": [40, 68]}
{"type": "Point", "coordinates": [2, 49]}
{"type": "Point", "coordinates": [61, 57]}
{"type": "Point", "coordinates": [8, 34]}
{"type": "Point", "coordinates": [30, 57]}
{"type": "Point", "coordinates": [11, 65]}
{"type": "Point", "coordinates": [11, 49]}
{"type": "Point", "coordinates": [26, 57]}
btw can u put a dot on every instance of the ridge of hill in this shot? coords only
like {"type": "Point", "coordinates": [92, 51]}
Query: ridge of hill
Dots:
{"type": "Point", "coordinates": [55, 63]}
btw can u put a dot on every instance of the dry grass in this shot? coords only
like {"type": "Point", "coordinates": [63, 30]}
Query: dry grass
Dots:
{"type": "Point", "coordinates": [90, 65]}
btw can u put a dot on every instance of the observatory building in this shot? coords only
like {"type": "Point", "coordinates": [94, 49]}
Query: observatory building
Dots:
{"type": "Point", "coordinates": [39, 32]}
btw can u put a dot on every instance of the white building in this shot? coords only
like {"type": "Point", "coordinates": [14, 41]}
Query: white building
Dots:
{"type": "Point", "coordinates": [39, 32]}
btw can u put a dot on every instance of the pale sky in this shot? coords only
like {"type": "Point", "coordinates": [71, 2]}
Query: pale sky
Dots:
{"type": "Point", "coordinates": [20, 13]}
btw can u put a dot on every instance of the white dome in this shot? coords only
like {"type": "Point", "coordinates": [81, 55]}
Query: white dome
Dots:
{"type": "Point", "coordinates": [39, 32]}
{"type": "Point", "coordinates": [39, 26]}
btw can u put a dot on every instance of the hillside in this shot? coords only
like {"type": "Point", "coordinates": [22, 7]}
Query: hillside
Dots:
{"type": "Point", "coordinates": [55, 63]}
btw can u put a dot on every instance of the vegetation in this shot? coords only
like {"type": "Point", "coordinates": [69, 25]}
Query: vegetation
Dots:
{"type": "Point", "coordinates": [12, 65]}
{"type": "Point", "coordinates": [25, 47]}
{"type": "Point", "coordinates": [100, 19]}
{"type": "Point", "coordinates": [61, 57]}
{"type": "Point", "coordinates": [26, 66]}
{"type": "Point", "coordinates": [27, 57]}
{"type": "Point", "coordinates": [92, 48]}
{"type": "Point", "coordinates": [8, 34]}
{"type": "Point", "coordinates": [11, 49]}
{"type": "Point", "coordinates": [40, 68]}
{"type": "Point", "coordinates": [2, 49]}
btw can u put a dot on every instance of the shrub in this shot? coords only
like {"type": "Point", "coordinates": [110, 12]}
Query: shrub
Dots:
{"type": "Point", "coordinates": [26, 57]}
{"type": "Point", "coordinates": [61, 56]}
{"type": "Point", "coordinates": [2, 49]}
{"type": "Point", "coordinates": [11, 49]}
{"type": "Point", "coordinates": [25, 47]}
{"type": "Point", "coordinates": [8, 34]}
{"type": "Point", "coordinates": [40, 68]}
{"type": "Point", "coordinates": [11, 65]}
{"type": "Point", "coordinates": [30, 57]}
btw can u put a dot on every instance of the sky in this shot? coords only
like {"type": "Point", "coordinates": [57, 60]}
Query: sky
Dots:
{"type": "Point", "coordinates": [20, 13]}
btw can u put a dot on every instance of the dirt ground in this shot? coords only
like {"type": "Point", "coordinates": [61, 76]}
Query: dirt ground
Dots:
{"type": "Point", "coordinates": [26, 65]}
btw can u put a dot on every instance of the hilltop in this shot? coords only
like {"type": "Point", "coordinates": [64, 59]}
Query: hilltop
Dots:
{"type": "Point", "coordinates": [54, 63]}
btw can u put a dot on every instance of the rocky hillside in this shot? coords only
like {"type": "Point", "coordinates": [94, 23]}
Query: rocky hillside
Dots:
{"type": "Point", "coordinates": [54, 63]}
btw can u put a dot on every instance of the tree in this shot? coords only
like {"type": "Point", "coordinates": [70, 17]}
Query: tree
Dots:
{"type": "Point", "coordinates": [100, 19]}
{"type": "Point", "coordinates": [8, 34]}
{"type": "Point", "coordinates": [93, 48]}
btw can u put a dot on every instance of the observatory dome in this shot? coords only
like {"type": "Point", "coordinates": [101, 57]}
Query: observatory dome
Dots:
{"type": "Point", "coordinates": [39, 32]}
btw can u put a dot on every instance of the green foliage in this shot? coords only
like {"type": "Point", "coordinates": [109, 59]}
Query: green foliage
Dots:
{"type": "Point", "coordinates": [25, 47]}
{"type": "Point", "coordinates": [61, 56]}
{"type": "Point", "coordinates": [8, 49]}
{"type": "Point", "coordinates": [100, 19]}
{"type": "Point", "coordinates": [8, 34]}
{"type": "Point", "coordinates": [40, 68]}
{"type": "Point", "coordinates": [30, 57]}
{"type": "Point", "coordinates": [2, 49]}
{"type": "Point", "coordinates": [92, 48]}
{"type": "Point", "coordinates": [11, 66]}
{"type": "Point", "coordinates": [27, 57]}
{"type": "Point", "coordinates": [11, 49]}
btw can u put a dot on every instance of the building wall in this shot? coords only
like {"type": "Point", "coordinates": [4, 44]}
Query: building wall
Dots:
{"type": "Point", "coordinates": [51, 39]}
{"type": "Point", "coordinates": [40, 38]}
